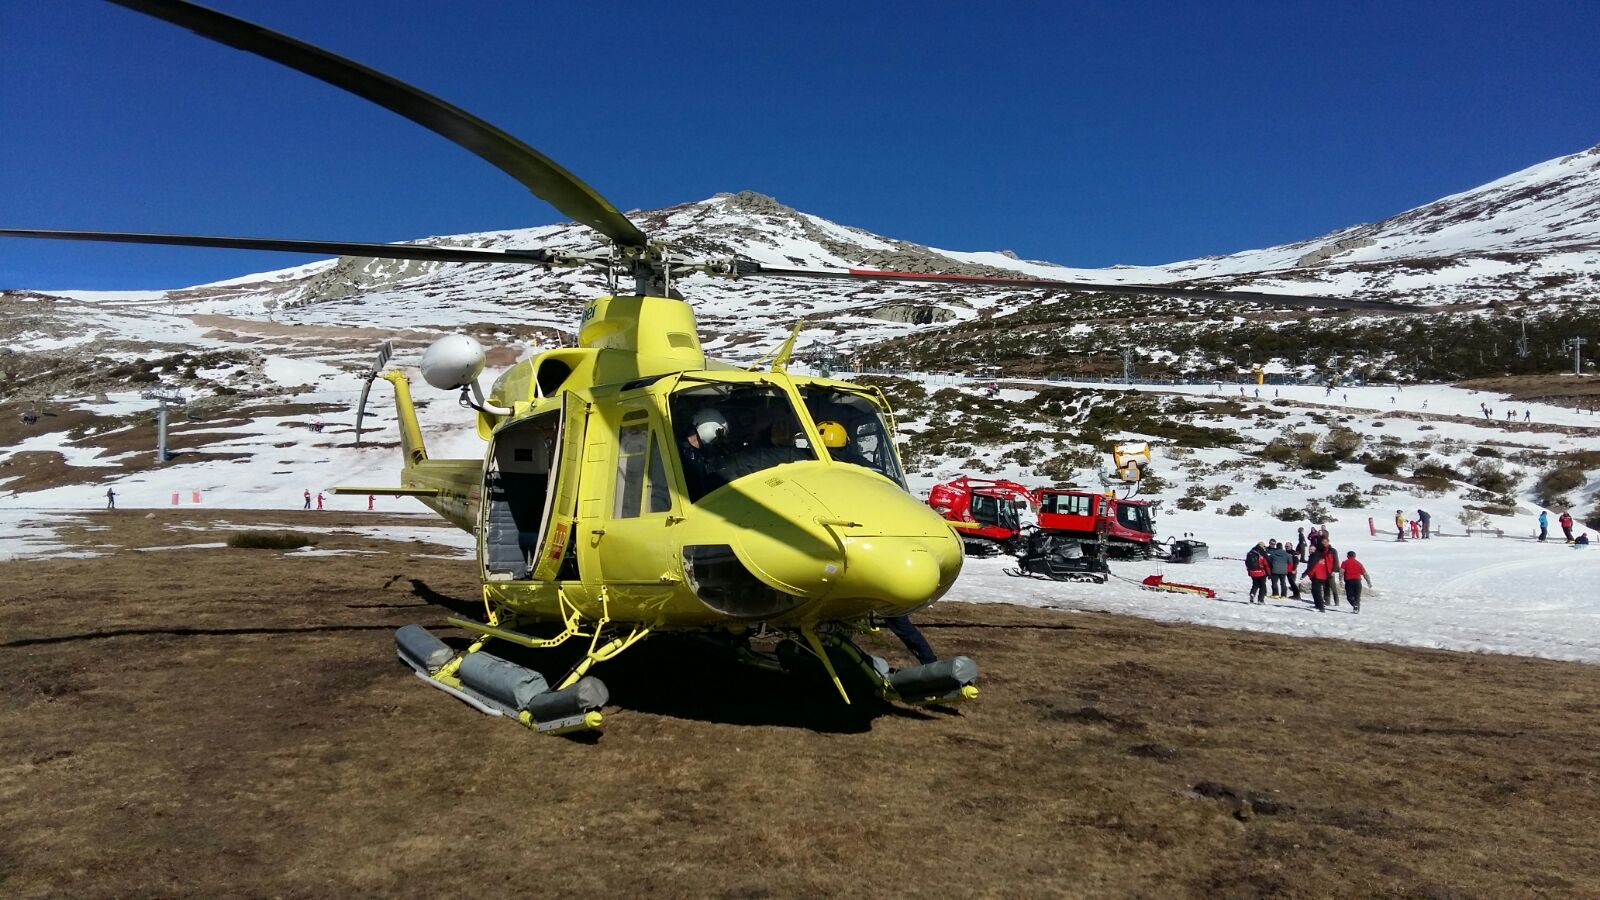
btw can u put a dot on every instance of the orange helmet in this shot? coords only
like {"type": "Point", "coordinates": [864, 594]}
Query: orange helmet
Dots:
{"type": "Point", "coordinates": [833, 435]}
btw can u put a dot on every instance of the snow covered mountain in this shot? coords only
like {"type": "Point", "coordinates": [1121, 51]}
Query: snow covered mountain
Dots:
{"type": "Point", "coordinates": [1533, 233]}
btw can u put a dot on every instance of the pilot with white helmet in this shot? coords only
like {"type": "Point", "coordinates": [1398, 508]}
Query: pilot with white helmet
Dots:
{"type": "Point", "coordinates": [702, 449]}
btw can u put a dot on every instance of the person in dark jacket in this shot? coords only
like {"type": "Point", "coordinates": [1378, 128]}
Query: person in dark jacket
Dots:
{"type": "Point", "coordinates": [1300, 544]}
{"type": "Point", "coordinates": [1424, 519]}
{"type": "Point", "coordinates": [1279, 566]}
{"type": "Point", "coordinates": [1255, 565]}
{"type": "Point", "coordinates": [1296, 556]}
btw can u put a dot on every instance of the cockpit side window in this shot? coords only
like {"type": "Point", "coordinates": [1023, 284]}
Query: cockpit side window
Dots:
{"type": "Point", "coordinates": [727, 431]}
{"type": "Point", "coordinates": [867, 441]}
{"type": "Point", "coordinates": [641, 484]}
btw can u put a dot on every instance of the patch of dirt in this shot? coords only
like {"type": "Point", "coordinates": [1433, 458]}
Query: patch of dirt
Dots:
{"type": "Point", "coordinates": [1578, 392]}
{"type": "Point", "coordinates": [213, 722]}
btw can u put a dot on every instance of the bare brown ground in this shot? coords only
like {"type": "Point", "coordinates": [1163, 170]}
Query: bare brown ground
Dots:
{"type": "Point", "coordinates": [132, 445]}
{"type": "Point", "coordinates": [234, 723]}
{"type": "Point", "coordinates": [1563, 390]}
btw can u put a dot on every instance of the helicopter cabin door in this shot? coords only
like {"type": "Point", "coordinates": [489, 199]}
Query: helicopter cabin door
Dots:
{"type": "Point", "coordinates": [561, 513]}
{"type": "Point", "coordinates": [634, 553]}
{"type": "Point", "coordinates": [520, 489]}
{"type": "Point", "coordinates": [516, 493]}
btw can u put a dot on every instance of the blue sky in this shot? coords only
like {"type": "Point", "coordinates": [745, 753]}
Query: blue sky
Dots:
{"type": "Point", "coordinates": [1084, 134]}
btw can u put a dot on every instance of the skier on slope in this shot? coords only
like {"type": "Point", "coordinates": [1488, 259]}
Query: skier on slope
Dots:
{"type": "Point", "coordinates": [1544, 524]}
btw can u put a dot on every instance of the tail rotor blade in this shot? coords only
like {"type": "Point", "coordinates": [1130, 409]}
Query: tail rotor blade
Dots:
{"type": "Point", "coordinates": [385, 352]}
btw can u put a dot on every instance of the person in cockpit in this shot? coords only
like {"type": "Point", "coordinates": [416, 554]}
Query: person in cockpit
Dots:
{"type": "Point", "coordinates": [703, 449]}
{"type": "Point", "coordinates": [839, 445]}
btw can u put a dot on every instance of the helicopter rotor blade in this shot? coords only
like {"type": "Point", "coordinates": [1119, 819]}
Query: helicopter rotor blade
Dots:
{"type": "Point", "coordinates": [423, 252]}
{"type": "Point", "coordinates": [749, 268]}
{"type": "Point", "coordinates": [538, 173]}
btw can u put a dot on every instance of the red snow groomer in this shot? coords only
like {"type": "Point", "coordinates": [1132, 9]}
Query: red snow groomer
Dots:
{"type": "Point", "coordinates": [984, 511]}
{"type": "Point", "coordinates": [1126, 525]}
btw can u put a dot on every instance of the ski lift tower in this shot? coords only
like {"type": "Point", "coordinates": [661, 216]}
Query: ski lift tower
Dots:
{"type": "Point", "coordinates": [1577, 354]}
{"type": "Point", "coordinates": [825, 356]}
{"type": "Point", "coordinates": [163, 396]}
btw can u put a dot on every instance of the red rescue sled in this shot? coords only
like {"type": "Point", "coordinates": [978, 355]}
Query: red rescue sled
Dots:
{"type": "Point", "coordinates": [1157, 583]}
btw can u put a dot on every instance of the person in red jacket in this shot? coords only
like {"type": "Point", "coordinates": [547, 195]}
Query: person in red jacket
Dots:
{"type": "Point", "coordinates": [1255, 565]}
{"type": "Point", "coordinates": [1566, 524]}
{"type": "Point", "coordinates": [1354, 573]}
{"type": "Point", "coordinates": [1318, 569]}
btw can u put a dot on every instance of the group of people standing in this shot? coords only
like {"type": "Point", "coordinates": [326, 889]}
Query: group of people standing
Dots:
{"type": "Point", "coordinates": [1566, 527]}
{"type": "Point", "coordinates": [1271, 565]}
{"type": "Point", "coordinates": [1419, 526]}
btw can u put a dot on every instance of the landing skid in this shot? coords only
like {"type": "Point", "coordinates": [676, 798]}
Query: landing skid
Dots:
{"type": "Point", "coordinates": [499, 687]}
{"type": "Point", "coordinates": [937, 683]}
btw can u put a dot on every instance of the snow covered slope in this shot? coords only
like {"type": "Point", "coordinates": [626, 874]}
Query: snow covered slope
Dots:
{"type": "Point", "coordinates": [1534, 232]}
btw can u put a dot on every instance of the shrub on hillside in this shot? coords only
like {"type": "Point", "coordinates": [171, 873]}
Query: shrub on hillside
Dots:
{"type": "Point", "coordinates": [270, 540]}
{"type": "Point", "coordinates": [1238, 509]}
{"type": "Point", "coordinates": [1290, 514]}
{"type": "Point", "coordinates": [1430, 468]}
{"type": "Point", "coordinates": [1318, 514]}
{"type": "Point", "coordinates": [1384, 465]}
{"type": "Point", "coordinates": [1552, 487]}
{"type": "Point", "coordinates": [1191, 503]}
{"type": "Point", "coordinates": [1320, 462]}
{"type": "Point", "coordinates": [974, 464]}
{"type": "Point", "coordinates": [1341, 443]}
{"type": "Point", "coordinates": [1348, 497]}
{"type": "Point", "coordinates": [1486, 473]}
{"type": "Point", "coordinates": [1299, 450]}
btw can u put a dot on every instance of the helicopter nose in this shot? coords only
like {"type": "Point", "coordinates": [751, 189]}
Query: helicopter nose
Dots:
{"type": "Point", "coordinates": [840, 542]}
{"type": "Point", "coordinates": [899, 574]}
{"type": "Point", "coordinates": [899, 555]}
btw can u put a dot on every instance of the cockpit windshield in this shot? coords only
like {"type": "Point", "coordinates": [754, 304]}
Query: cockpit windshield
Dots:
{"type": "Point", "coordinates": [862, 437]}
{"type": "Point", "coordinates": [728, 431]}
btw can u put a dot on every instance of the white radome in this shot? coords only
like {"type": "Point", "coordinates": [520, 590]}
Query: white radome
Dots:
{"type": "Point", "coordinates": [452, 361]}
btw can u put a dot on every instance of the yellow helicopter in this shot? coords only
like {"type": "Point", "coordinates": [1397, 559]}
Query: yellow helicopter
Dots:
{"type": "Point", "coordinates": [630, 486]}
